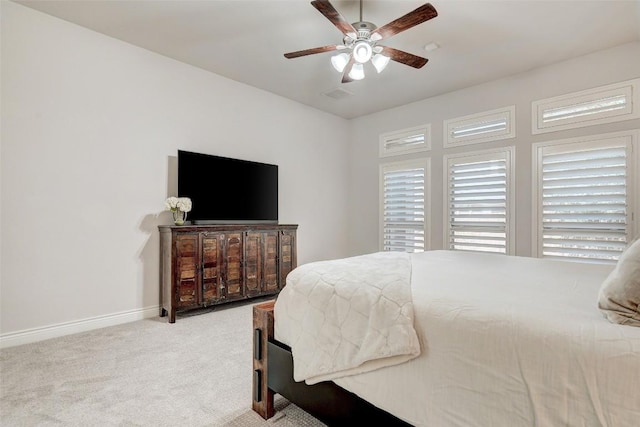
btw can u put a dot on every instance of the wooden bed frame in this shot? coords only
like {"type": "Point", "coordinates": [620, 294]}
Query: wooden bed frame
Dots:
{"type": "Point", "coordinates": [273, 373]}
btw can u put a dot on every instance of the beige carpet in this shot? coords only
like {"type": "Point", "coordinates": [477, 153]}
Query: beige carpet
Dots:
{"type": "Point", "coordinates": [287, 415]}
{"type": "Point", "coordinates": [196, 372]}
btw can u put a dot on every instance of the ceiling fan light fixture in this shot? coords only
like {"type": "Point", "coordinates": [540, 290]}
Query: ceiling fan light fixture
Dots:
{"type": "Point", "coordinates": [340, 61]}
{"type": "Point", "coordinates": [380, 62]}
{"type": "Point", "coordinates": [362, 52]}
{"type": "Point", "coordinates": [357, 72]}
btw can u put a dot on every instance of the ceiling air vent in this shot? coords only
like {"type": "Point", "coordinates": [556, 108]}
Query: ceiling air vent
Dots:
{"type": "Point", "coordinates": [338, 93]}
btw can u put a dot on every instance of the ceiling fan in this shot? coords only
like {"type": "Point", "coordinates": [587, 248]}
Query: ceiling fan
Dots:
{"type": "Point", "coordinates": [361, 41]}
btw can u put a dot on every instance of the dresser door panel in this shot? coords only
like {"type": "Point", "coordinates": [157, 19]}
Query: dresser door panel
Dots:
{"type": "Point", "coordinates": [211, 267]}
{"type": "Point", "coordinates": [270, 262]}
{"type": "Point", "coordinates": [187, 270]}
{"type": "Point", "coordinates": [287, 255]}
{"type": "Point", "coordinates": [253, 263]}
{"type": "Point", "coordinates": [233, 259]}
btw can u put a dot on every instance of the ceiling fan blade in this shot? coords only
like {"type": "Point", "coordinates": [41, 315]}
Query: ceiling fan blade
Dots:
{"type": "Point", "coordinates": [411, 19]}
{"type": "Point", "coordinates": [312, 51]}
{"type": "Point", "coordinates": [404, 57]}
{"type": "Point", "coordinates": [347, 70]}
{"type": "Point", "coordinates": [329, 12]}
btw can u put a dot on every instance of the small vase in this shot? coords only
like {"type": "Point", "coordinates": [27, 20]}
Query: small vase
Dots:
{"type": "Point", "coordinates": [179, 217]}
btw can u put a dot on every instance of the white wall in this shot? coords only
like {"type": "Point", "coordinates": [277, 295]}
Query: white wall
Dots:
{"type": "Point", "coordinates": [605, 67]}
{"type": "Point", "coordinates": [90, 127]}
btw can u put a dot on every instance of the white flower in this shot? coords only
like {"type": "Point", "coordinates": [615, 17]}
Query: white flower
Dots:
{"type": "Point", "coordinates": [182, 204]}
{"type": "Point", "coordinates": [171, 203]}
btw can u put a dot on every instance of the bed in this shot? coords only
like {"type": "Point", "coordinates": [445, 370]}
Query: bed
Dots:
{"type": "Point", "coordinates": [504, 341]}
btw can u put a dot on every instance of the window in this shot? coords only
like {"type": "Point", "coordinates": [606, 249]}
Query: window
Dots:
{"type": "Point", "coordinates": [482, 127]}
{"type": "Point", "coordinates": [603, 104]}
{"type": "Point", "coordinates": [406, 141]}
{"type": "Point", "coordinates": [583, 197]}
{"type": "Point", "coordinates": [479, 201]}
{"type": "Point", "coordinates": [404, 203]}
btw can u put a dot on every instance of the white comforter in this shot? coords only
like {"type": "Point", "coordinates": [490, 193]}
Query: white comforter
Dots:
{"type": "Point", "coordinates": [348, 316]}
{"type": "Point", "coordinates": [509, 341]}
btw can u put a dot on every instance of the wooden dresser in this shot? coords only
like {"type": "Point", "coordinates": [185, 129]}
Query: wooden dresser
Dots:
{"type": "Point", "coordinates": [203, 265]}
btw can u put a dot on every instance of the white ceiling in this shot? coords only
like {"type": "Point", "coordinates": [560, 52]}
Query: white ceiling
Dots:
{"type": "Point", "coordinates": [245, 40]}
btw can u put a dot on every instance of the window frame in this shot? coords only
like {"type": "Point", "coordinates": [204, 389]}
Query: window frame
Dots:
{"type": "Point", "coordinates": [631, 88]}
{"type": "Point", "coordinates": [633, 187]}
{"type": "Point", "coordinates": [509, 155]}
{"type": "Point", "coordinates": [426, 146]}
{"type": "Point", "coordinates": [508, 112]}
{"type": "Point", "coordinates": [424, 162]}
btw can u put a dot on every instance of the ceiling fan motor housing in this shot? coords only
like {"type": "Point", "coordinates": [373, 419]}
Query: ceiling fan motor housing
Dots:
{"type": "Point", "coordinates": [363, 33]}
{"type": "Point", "coordinates": [364, 29]}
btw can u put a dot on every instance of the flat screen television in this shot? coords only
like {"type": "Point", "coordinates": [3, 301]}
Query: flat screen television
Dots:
{"type": "Point", "coordinates": [228, 191]}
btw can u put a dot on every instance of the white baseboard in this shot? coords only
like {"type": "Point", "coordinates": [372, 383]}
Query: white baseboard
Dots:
{"type": "Point", "coordinates": [26, 336]}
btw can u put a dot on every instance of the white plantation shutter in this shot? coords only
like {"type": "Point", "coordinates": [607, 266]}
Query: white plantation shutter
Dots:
{"type": "Point", "coordinates": [406, 141]}
{"type": "Point", "coordinates": [481, 127]}
{"type": "Point", "coordinates": [604, 104]}
{"type": "Point", "coordinates": [478, 208]}
{"type": "Point", "coordinates": [578, 111]}
{"type": "Point", "coordinates": [583, 199]}
{"type": "Point", "coordinates": [404, 201]}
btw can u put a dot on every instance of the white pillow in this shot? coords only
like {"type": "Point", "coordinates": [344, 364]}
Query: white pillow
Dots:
{"type": "Point", "coordinates": [619, 298]}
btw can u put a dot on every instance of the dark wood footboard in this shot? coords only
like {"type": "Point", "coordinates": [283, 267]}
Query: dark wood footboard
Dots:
{"type": "Point", "coordinates": [273, 373]}
{"type": "Point", "coordinates": [262, 332]}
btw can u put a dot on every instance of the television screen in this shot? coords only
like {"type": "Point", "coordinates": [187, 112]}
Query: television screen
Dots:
{"type": "Point", "coordinates": [225, 190]}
